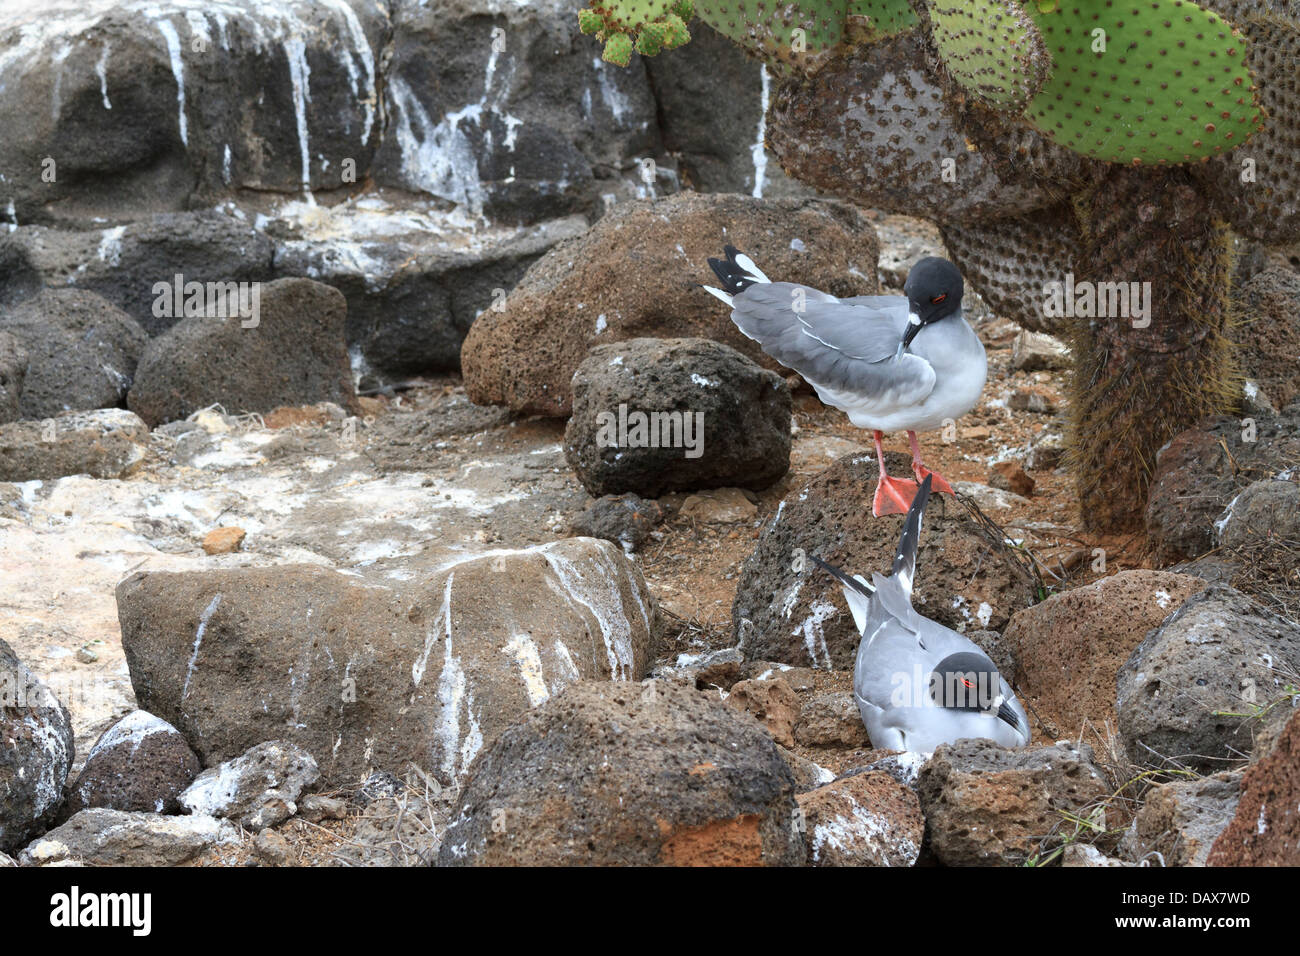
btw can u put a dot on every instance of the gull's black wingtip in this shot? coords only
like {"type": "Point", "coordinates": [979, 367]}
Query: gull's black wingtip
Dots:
{"type": "Point", "coordinates": [846, 580]}
{"type": "Point", "coordinates": [910, 539]}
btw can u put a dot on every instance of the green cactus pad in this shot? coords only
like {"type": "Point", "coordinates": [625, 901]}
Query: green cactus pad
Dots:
{"type": "Point", "coordinates": [1172, 85]}
{"type": "Point", "coordinates": [884, 17]}
{"type": "Point", "coordinates": [618, 50]}
{"type": "Point", "coordinates": [769, 30]}
{"type": "Point", "coordinates": [685, 9]}
{"type": "Point", "coordinates": [992, 49]}
{"type": "Point", "coordinates": [650, 40]}
{"type": "Point", "coordinates": [674, 32]}
{"type": "Point", "coordinates": [589, 22]}
{"type": "Point", "coordinates": [629, 16]}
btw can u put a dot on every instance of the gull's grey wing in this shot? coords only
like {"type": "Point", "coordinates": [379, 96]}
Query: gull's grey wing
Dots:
{"type": "Point", "coordinates": [835, 345]}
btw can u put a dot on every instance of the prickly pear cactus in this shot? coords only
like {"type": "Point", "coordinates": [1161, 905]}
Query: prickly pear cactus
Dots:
{"type": "Point", "coordinates": [648, 26]}
{"type": "Point", "coordinates": [991, 48]}
{"type": "Point", "coordinates": [1144, 81]}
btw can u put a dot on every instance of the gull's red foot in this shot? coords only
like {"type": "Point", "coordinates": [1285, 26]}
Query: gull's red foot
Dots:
{"type": "Point", "coordinates": [893, 496]}
{"type": "Point", "coordinates": [936, 484]}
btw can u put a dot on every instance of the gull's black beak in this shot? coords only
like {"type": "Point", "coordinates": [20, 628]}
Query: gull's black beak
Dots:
{"type": "Point", "coordinates": [913, 326]}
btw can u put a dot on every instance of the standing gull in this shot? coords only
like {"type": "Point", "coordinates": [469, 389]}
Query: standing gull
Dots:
{"type": "Point", "coordinates": [890, 362]}
{"type": "Point", "coordinates": [917, 683]}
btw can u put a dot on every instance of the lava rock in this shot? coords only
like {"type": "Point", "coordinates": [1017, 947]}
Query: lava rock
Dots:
{"type": "Point", "coordinates": [584, 293]}
{"type": "Point", "coordinates": [626, 520]}
{"type": "Point", "coordinates": [1181, 820]}
{"type": "Point", "coordinates": [37, 752]}
{"type": "Point", "coordinates": [140, 763]}
{"type": "Point", "coordinates": [257, 789]}
{"type": "Point", "coordinates": [1265, 512]}
{"type": "Point", "coordinates": [721, 506]}
{"type": "Point", "coordinates": [291, 353]}
{"type": "Point", "coordinates": [1070, 648]}
{"type": "Point", "coordinates": [831, 720]}
{"type": "Point", "coordinates": [986, 806]}
{"type": "Point", "coordinates": [102, 837]}
{"type": "Point", "coordinates": [13, 371]}
{"type": "Point", "coordinates": [628, 774]}
{"type": "Point", "coordinates": [1010, 476]}
{"type": "Point", "coordinates": [771, 702]}
{"type": "Point", "coordinates": [406, 662]}
{"type": "Point", "coordinates": [869, 819]}
{"type": "Point", "coordinates": [1265, 831]}
{"type": "Point", "coordinates": [787, 610]}
{"type": "Point", "coordinates": [1200, 471]}
{"type": "Point", "coordinates": [107, 443]}
{"type": "Point", "coordinates": [225, 540]}
{"type": "Point", "coordinates": [82, 351]}
{"type": "Point", "coordinates": [1037, 351]}
{"type": "Point", "coordinates": [656, 415]}
{"type": "Point", "coordinates": [272, 849]}
{"type": "Point", "coordinates": [1221, 653]}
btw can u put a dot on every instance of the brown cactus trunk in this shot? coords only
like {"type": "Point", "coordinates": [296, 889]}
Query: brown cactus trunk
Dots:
{"type": "Point", "coordinates": [1135, 388]}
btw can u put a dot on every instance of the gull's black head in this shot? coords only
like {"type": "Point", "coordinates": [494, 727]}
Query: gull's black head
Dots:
{"type": "Point", "coordinates": [966, 681]}
{"type": "Point", "coordinates": [934, 290]}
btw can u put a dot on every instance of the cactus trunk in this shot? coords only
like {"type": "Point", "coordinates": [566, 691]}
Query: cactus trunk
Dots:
{"type": "Point", "coordinates": [1135, 388]}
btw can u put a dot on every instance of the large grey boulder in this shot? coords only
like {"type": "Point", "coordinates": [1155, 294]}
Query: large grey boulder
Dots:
{"type": "Point", "coordinates": [1187, 691]}
{"type": "Point", "coordinates": [423, 662]}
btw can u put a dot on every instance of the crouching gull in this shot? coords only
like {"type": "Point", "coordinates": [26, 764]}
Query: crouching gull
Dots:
{"type": "Point", "coordinates": [890, 362]}
{"type": "Point", "coordinates": [919, 684]}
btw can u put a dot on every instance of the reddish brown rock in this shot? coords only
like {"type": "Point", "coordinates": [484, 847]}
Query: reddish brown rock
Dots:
{"type": "Point", "coordinates": [773, 703]}
{"type": "Point", "coordinates": [1010, 476]}
{"type": "Point", "coordinates": [628, 774]}
{"type": "Point", "coordinates": [1266, 828]}
{"type": "Point", "coordinates": [223, 540]}
{"type": "Point", "coordinates": [869, 819]}
{"type": "Point", "coordinates": [831, 720]}
{"type": "Point", "coordinates": [635, 274]}
{"type": "Point", "coordinates": [1069, 649]}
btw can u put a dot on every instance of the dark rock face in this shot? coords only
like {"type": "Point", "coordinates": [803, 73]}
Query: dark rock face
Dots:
{"type": "Point", "coordinates": [1266, 512]}
{"type": "Point", "coordinates": [82, 351]}
{"type": "Point", "coordinates": [1069, 648]}
{"type": "Point", "coordinates": [680, 780]}
{"type": "Point", "coordinates": [787, 610]}
{"type": "Point", "coordinates": [986, 806]}
{"type": "Point", "coordinates": [509, 112]}
{"type": "Point", "coordinates": [13, 371]}
{"type": "Point", "coordinates": [1266, 828]}
{"type": "Point", "coordinates": [140, 763]}
{"type": "Point", "coordinates": [608, 286]}
{"type": "Point", "coordinates": [426, 664]}
{"type": "Point", "coordinates": [155, 107]}
{"type": "Point", "coordinates": [1202, 469]}
{"type": "Point", "coordinates": [291, 352]}
{"type": "Point", "coordinates": [658, 415]}
{"type": "Point", "coordinates": [37, 752]}
{"type": "Point", "coordinates": [1221, 654]}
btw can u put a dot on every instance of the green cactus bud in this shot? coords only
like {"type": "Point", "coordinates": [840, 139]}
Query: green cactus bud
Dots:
{"type": "Point", "coordinates": [675, 33]}
{"type": "Point", "coordinates": [589, 22]}
{"type": "Point", "coordinates": [649, 41]}
{"type": "Point", "coordinates": [618, 50]}
{"type": "Point", "coordinates": [1156, 82]}
{"type": "Point", "coordinates": [992, 49]}
{"type": "Point", "coordinates": [685, 9]}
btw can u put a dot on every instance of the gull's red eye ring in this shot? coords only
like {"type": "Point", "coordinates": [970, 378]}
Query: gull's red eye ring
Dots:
{"type": "Point", "coordinates": [936, 299]}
